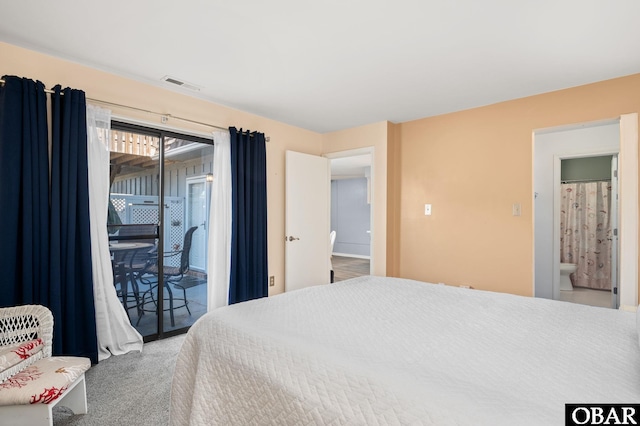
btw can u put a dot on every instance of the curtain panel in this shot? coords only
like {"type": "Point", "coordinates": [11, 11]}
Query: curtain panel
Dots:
{"type": "Point", "coordinates": [46, 253]}
{"type": "Point", "coordinates": [220, 214]}
{"type": "Point", "coordinates": [116, 335]}
{"type": "Point", "coordinates": [24, 193]}
{"type": "Point", "coordinates": [248, 278]}
{"type": "Point", "coordinates": [71, 285]}
{"type": "Point", "coordinates": [585, 232]}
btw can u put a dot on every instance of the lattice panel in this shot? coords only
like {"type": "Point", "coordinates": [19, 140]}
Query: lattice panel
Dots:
{"type": "Point", "coordinates": [136, 209]}
{"type": "Point", "coordinates": [120, 205]}
{"type": "Point", "coordinates": [144, 214]}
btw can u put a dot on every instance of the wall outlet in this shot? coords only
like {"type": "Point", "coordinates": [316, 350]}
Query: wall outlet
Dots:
{"type": "Point", "coordinates": [272, 281]}
{"type": "Point", "coordinates": [427, 209]}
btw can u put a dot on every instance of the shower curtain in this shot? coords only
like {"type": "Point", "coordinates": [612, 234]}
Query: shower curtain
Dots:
{"type": "Point", "coordinates": [585, 232]}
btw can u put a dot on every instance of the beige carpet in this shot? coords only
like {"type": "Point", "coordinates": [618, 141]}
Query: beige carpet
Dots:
{"type": "Point", "coordinates": [131, 389]}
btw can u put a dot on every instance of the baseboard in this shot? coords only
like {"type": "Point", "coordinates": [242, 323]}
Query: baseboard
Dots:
{"type": "Point", "coordinates": [628, 308]}
{"type": "Point", "coordinates": [356, 256]}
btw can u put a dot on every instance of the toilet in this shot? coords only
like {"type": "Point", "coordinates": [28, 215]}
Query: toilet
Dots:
{"type": "Point", "coordinates": [566, 269]}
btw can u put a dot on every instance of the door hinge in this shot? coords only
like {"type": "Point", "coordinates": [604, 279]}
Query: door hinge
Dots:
{"type": "Point", "coordinates": [615, 173]}
{"type": "Point", "coordinates": [615, 290]}
{"type": "Point", "coordinates": [615, 232]}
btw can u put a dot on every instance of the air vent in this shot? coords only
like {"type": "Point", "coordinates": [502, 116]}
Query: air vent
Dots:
{"type": "Point", "coordinates": [173, 81]}
{"type": "Point", "coordinates": [180, 83]}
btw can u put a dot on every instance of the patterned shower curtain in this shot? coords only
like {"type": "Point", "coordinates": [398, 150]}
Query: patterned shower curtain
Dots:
{"type": "Point", "coordinates": [585, 232]}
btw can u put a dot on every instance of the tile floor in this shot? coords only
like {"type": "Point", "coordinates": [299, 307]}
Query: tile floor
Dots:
{"type": "Point", "coordinates": [587, 296]}
{"type": "Point", "coordinates": [197, 298]}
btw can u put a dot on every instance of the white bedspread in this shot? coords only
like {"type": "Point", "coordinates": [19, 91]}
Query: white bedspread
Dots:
{"type": "Point", "coordinates": [385, 351]}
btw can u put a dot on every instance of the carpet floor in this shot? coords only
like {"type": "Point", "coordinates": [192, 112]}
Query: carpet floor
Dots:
{"type": "Point", "coordinates": [130, 389]}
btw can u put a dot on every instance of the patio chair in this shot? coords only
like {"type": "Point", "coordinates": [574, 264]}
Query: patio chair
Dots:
{"type": "Point", "coordinates": [171, 275]}
{"type": "Point", "coordinates": [128, 264]}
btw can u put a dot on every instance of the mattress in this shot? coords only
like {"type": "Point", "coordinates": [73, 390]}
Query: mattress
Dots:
{"type": "Point", "coordinates": [388, 351]}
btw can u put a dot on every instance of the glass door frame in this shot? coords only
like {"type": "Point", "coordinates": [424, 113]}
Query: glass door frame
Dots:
{"type": "Point", "coordinates": [162, 135]}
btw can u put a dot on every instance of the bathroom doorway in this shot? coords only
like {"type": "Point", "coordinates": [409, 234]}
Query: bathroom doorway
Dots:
{"type": "Point", "coordinates": [550, 145]}
{"type": "Point", "coordinates": [587, 214]}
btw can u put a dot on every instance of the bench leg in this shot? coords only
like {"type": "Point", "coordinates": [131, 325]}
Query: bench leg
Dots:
{"type": "Point", "coordinates": [26, 415]}
{"type": "Point", "coordinates": [74, 398]}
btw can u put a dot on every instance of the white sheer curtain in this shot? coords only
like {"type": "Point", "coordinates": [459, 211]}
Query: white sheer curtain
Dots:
{"type": "Point", "coordinates": [219, 261]}
{"type": "Point", "coordinates": [116, 335]}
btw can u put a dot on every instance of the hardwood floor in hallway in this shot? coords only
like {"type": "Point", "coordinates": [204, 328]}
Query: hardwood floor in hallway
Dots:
{"type": "Point", "coordinates": [349, 267]}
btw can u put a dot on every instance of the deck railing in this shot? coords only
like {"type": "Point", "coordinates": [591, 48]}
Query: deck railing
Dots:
{"type": "Point", "coordinates": [133, 143]}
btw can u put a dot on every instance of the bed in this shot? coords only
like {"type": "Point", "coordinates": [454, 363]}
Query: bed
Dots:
{"type": "Point", "coordinates": [389, 351]}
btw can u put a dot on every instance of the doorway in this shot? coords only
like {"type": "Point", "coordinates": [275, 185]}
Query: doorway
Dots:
{"type": "Point", "coordinates": [157, 226]}
{"type": "Point", "coordinates": [198, 196]}
{"type": "Point", "coordinates": [351, 214]}
{"type": "Point", "coordinates": [587, 218]}
{"type": "Point", "coordinates": [584, 140]}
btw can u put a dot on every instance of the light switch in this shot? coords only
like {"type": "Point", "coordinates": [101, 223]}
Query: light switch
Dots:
{"type": "Point", "coordinates": [427, 209]}
{"type": "Point", "coordinates": [517, 210]}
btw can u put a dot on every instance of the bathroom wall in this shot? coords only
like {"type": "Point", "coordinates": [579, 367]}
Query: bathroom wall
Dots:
{"type": "Point", "coordinates": [589, 168]}
{"type": "Point", "coordinates": [598, 139]}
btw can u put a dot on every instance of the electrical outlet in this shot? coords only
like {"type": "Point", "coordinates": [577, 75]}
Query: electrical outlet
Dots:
{"type": "Point", "coordinates": [272, 281]}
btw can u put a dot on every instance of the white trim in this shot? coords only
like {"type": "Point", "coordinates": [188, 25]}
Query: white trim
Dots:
{"type": "Point", "coordinates": [159, 126]}
{"type": "Point", "coordinates": [575, 126]}
{"type": "Point", "coordinates": [628, 185]}
{"type": "Point", "coordinates": [533, 213]}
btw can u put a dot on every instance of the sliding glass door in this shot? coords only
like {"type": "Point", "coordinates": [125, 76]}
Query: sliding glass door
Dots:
{"type": "Point", "coordinates": [158, 224]}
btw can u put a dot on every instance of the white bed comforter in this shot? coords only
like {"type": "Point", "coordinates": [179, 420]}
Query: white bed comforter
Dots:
{"type": "Point", "coordinates": [385, 351]}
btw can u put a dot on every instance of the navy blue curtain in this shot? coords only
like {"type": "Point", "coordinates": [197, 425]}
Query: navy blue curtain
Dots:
{"type": "Point", "coordinates": [249, 278]}
{"type": "Point", "coordinates": [45, 254]}
{"type": "Point", "coordinates": [71, 287]}
{"type": "Point", "coordinates": [24, 193]}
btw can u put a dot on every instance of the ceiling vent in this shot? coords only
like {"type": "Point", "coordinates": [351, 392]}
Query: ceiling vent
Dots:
{"type": "Point", "coordinates": [180, 83]}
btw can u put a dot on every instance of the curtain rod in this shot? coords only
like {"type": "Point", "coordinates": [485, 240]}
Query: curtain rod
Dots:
{"type": "Point", "coordinates": [45, 90]}
{"type": "Point", "coordinates": [151, 112]}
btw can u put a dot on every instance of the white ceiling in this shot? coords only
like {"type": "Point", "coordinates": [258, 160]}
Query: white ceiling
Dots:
{"type": "Point", "coordinates": [329, 65]}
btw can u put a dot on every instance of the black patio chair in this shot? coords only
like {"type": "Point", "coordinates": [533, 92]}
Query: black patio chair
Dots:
{"type": "Point", "coordinates": [171, 275]}
{"type": "Point", "coordinates": [129, 263]}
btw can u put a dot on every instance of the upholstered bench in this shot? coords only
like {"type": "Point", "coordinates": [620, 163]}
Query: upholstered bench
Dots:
{"type": "Point", "coordinates": [32, 382]}
{"type": "Point", "coordinates": [26, 334]}
{"type": "Point", "coordinates": [28, 397]}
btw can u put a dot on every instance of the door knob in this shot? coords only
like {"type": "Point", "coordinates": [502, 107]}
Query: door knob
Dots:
{"type": "Point", "coordinates": [293, 238]}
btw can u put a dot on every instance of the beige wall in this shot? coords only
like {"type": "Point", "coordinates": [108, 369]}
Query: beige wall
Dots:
{"type": "Point", "coordinates": [472, 166]}
{"type": "Point", "coordinates": [372, 135]}
{"type": "Point", "coordinates": [109, 87]}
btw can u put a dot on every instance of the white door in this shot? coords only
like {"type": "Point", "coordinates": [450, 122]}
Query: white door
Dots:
{"type": "Point", "coordinates": [197, 208]}
{"type": "Point", "coordinates": [308, 193]}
